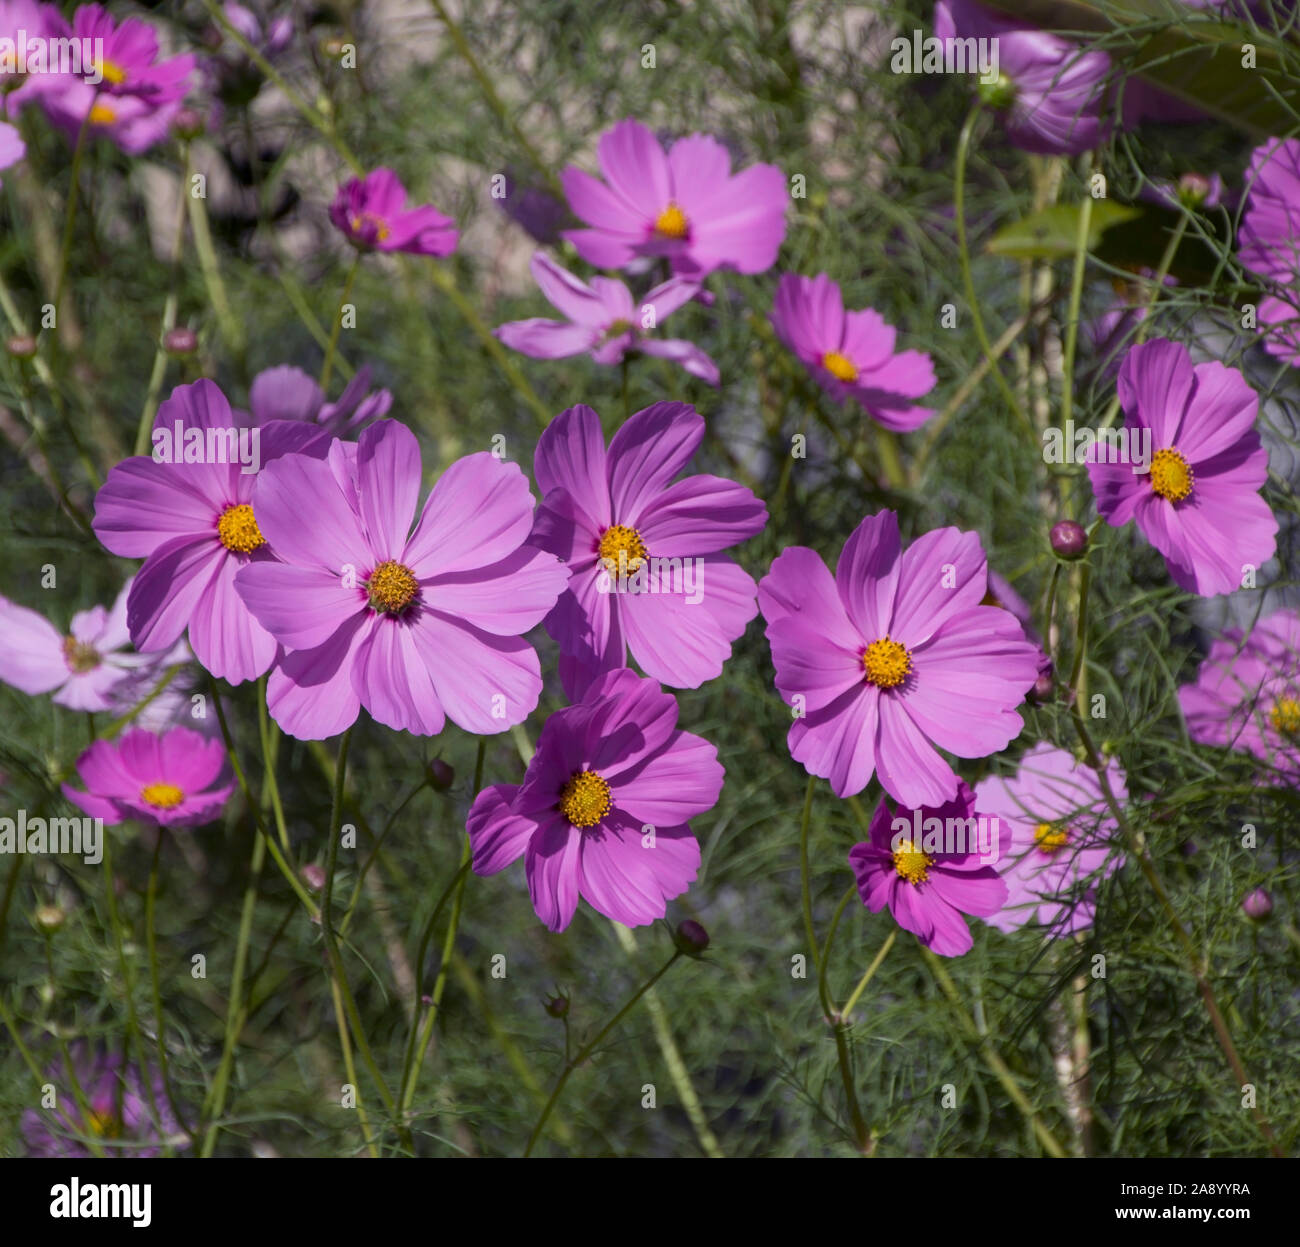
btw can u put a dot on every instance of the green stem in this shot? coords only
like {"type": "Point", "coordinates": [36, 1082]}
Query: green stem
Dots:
{"type": "Point", "coordinates": [869, 975]}
{"type": "Point", "coordinates": [589, 1048]}
{"type": "Point", "coordinates": [805, 883]}
{"type": "Point", "coordinates": [328, 366]}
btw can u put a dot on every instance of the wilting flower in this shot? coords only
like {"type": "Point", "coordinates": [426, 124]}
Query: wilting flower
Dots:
{"type": "Point", "coordinates": [1270, 241]}
{"type": "Point", "coordinates": [193, 524]}
{"type": "Point", "coordinates": [1048, 90]}
{"type": "Point", "coordinates": [288, 393]}
{"type": "Point", "coordinates": [851, 354]}
{"type": "Point", "coordinates": [604, 321]}
{"type": "Point", "coordinates": [646, 554]}
{"type": "Point", "coordinates": [685, 205]}
{"type": "Point", "coordinates": [176, 779]}
{"type": "Point", "coordinates": [123, 1115]}
{"type": "Point", "coordinates": [1197, 501]}
{"type": "Point", "coordinates": [83, 669]}
{"type": "Point", "coordinates": [414, 626]}
{"type": "Point", "coordinates": [931, 865]}
{"type": "Point", "coordinates": [1062, 835]}
{"type": "Point", "coordinates": [894, 656]}
{"type": "Point", "coordinates": [604, 808]}
{"type": "Point", "coordinates": [372, 213]}
{"type": "Point", "coordinates": [1246, 695]}
{"type": "Point", "coordinates": [138, 95]}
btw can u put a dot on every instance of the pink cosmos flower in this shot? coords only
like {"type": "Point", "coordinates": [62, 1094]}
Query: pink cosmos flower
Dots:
{"type": "Point", "coordinates": [604, 321]}
{"type": "Point", "coordinates": [893, 656]}
{"type": "Point", "coordinates": [414, 626]}
{"type": "Point", "coordinates": [1246, 695]}
{"type": "Point", "coordinates": [1062, 836]}
{"type": "Point", "coordinates": [372, 214]}
{"type": "Point", "coordinates": [1049, 91]}
{"type": "Point", "coordinates": [27, 21]}
{"type": "Point", "coordinates": [1199, 502]}
{"type": "Point", "coordinates": [119, 1111]}
{"type": "Point", "coordinates": [685, 205]}
{"type": "Point", "coordinates": [139, 94]}
{"type": "Point", "coordinates": [931, 865]}
{"type": "Point", "coordinates": [193, 524]}
{"type": "Point", "coordinates": [646, 554]}
{"type": "Point", "coordinates": [12, 147]}
{"type": "Point", "coordinates": [604, 809]}
{"type": "Point", "coordinates": [288, 393]}
{"type": "Point", "coordinates": [1270, 241]}
{"type": "Point", "coordinates": [83, 670]}
{"type": "Point", "coordinates": [851, 354]}
{"type": "Point", "coordinates": [177, 779]}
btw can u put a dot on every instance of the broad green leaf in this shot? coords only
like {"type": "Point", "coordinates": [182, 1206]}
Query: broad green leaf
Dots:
{"type": "Point", "coordinates": [1053, 233]}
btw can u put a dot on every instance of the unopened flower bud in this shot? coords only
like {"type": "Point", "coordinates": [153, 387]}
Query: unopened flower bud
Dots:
{"type": "Point", "coordinates": [180, 341]}
{"type": "Point", "coordinates": [1069, 539]}
{"type": "Point", "coordinates": [441, 775]}
{"type": "Point", "coordinates": [21, 346]}
{"type": "Point", "coordinates": [48, 918]}
{"type": "Point", "coordinates": [313, 876]}
{"type": "Point", "coordinates": [691, 938]}
{"type": "Point", "coordinates": [1257, 905]}
{"type": "Point", "coordinates": [558, 1005]}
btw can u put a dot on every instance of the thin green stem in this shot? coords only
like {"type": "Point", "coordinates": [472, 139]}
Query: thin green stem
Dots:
{"type": "Point", "coordinates": [589, 1048]}
{"type": "Point", "coordinates": [868, 975]}
{"type": "Point", "coordinates": [328, 366]}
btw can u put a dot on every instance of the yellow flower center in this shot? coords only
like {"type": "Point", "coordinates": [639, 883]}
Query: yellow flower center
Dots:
{"type": "Point", "coordinates": [1049, 838]}
{"type": "Point", "coordinates": [911, 863]}
{"type": "Point", "coordinates": [162, 796]}
{"type": "Point", "coordinates": [362, 219]}
{"type": "Point", "coordinates": [392, 587]}
{"type": "Point", "coordinates": [238, 529]}
{"type": "Point", "coordinates": [102, 114]}
{"type": "Point", "coordinates": [672, 222]}
{"type": "Point", "coordinates": [104, 1124]}
{"type": "Point", "coordinates": [621, 549]}
{"type": "Point", "coordinates": [1171, 478]}
{"type": "Point", "coordinates": [1285, 716]}
{"type": "Point", "coordinates": [79, 656]}
{"type": "Point", "coordinates": [840, 366]}
{"type": "Point", "coordinates": [113, 72]}
{"type": "Point", "coordinates": [887, 663]}
{"type": "Point", "coordinates": [584, 800]}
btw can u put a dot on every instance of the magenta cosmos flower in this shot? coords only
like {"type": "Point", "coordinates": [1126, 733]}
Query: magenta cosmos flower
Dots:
{"type": "Point", "coordinates": [931, 865]}
{"type": "Point", "coordinates": [1062, 837]}
{"type": "Point", "coordinates": [85, 670]}
{"type": "Point", "coordinates": [851, 354]}
{"type": "Point", "coordinates": [1198, 503]}
{"type": "Point", "coordinates": [1246, 695]}
{"type": "Point", "coordinates": [604, 809]}
{"type": "Point", "coordinates": [685, 205]}
{"type": "Point", "coordinates": [893, 656]}
{"type": "Point", "coordinates": [34, 26]}
{"type": "Point", "coordinates": [288, 393]}
{"type": "Point", "coordinates": [1270, 241]}
{"type": "Point", "coordinates": [372, 214]}
{"type": "Point", "coordinates": [414, 626]}
{"type": "Point", "coordinates": [176, 779]}
{"type": "Point", "coordinates": [103, 1097]}
{"type": "Point", "coordinates": [604, 321]}
{"type": "Point", "coordinates": [646, 553]}
{"type": "Point", "coordinates": [193, 524]}
{"type": "Point", "coordinates": [137, 94]}
{"type": "Point", "coordinates": [1050, 93]}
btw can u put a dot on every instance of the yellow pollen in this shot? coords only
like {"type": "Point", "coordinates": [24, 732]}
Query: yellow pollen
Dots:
{"type": "Point", "coordinates": [102, 114]}
{"type": "Point", "coordinates": [79, 656]}
{"type": "Point", "coordinates": [621, 549]}
{"type": "Point", "coordinates": [104, 1125]}
{"type": "Point", "coordinates": [887, 663]}
{"type": "Point", "coordinates": [584, 800]}
{"type": "Point", "coordinates": [238, 529]}
{"type": "Point", "coordinates": [359, 220]}
{"type": "Point", "coordinates": [392, 587]}
{"type": "Point", "coordinates": [839, 366]}
{"type": "Point", "coordinates": [1048, 839]}
{"type": "Point", "coordinates": [162, 796]}
{"type": "Point", "coordinates": [1171, 478]}
{"type": "Point", "coordinates": [113, 72]}
{"type": "Point", "coordinates": [911, 863]}
{"type": "Point", "coordinates": [672, 222]}
{"type": "Point", "coordinates": [1285, 716]}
